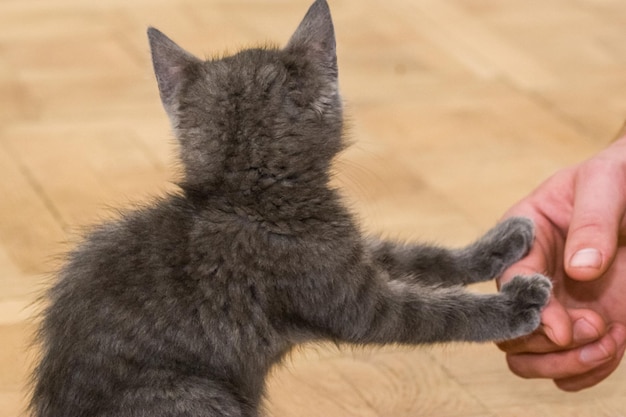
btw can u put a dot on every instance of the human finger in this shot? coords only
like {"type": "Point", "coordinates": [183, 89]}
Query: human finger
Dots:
{"type": "Point", "coordinates": [588, 379]}
{"type": "Point", "coordinates": [599, 205]}
{"type": "Point", "coordinates": [587, 326]}
{"type": "Point", "coordinates": [566, 364]}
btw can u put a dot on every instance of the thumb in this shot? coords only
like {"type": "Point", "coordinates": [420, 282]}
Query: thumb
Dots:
{"type": "Point", "coordinates": [596, 218]}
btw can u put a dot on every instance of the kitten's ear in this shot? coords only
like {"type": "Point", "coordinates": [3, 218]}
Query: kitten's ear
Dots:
{"type": "Point", "coordinates": [169, 61]}
{"type": "Point", "coordinates": [315, 36]}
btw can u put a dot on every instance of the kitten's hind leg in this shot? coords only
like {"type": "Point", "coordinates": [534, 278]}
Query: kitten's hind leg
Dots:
{"type": "Point", "coordinates": [181, 396]}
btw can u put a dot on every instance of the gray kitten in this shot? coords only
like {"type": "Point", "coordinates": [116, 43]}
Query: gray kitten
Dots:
{"type": "Point", "coordinates": [181, 308]}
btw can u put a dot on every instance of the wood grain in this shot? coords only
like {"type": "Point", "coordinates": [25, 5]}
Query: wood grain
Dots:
{"type": "Point", "coordinates": [457, 109]}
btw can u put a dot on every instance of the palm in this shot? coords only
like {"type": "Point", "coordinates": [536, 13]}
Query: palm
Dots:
{"type": "Point", "coordinates": [603, 295]}
{"type": "Point", "coordinates": [598, 300]}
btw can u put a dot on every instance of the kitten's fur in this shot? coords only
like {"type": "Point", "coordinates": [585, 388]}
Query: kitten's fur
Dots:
{"type": "Point", "coordinates": [181, 308]}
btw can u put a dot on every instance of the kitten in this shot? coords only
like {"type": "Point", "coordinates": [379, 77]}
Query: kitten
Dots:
{"type": "Point", "coordinates": [182, 308]}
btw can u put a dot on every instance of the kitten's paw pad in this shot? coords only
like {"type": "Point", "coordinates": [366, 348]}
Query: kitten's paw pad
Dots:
{"type": "Point", "coordinates": [528, 295]}
{"type": "Point", "coordinates": [529, 291]}
{"type": "Point", "coordinates": [513, 238]}
{"type": "Point", "coordinates": [501, 247]}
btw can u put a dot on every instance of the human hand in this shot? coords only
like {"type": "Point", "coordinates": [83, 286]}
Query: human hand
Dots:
{"type": "Point", "coordinates": [579, 216]}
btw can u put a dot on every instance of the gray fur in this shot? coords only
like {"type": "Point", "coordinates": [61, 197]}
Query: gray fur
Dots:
{"type": "Point", "coordinates": [182, 308]}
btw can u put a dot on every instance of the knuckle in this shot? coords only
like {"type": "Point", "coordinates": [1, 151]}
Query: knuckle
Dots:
{"type": "Point", "coordinates": [517, 366]}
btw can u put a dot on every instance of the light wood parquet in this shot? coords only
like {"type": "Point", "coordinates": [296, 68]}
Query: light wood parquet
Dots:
{"type": "Point", "coordinates": [458, 108]}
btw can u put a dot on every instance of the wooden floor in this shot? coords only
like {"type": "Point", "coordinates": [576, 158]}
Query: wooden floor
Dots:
{"type": "Point", "coordinates": [458, 109]}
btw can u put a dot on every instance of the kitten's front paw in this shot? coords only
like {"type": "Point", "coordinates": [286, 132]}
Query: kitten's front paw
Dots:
{"type": "Point", "coordinates": [501, 247]}
{"type": "Point", "coordinates": [528, 295]}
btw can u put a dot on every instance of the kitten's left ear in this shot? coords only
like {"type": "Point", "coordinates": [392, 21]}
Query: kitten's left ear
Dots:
{"type": "Point", "coordinates": [169, 61]}
{"type": "Point", "coordinates": [315, 36]}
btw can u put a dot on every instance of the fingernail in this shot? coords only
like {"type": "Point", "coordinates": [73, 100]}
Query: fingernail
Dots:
{"type": "Point", "coordinates": [586, 258]}
{"type": "Point", "coordinates": [594, 353]}
{"type": "Point", "coordinates": [583, 331]}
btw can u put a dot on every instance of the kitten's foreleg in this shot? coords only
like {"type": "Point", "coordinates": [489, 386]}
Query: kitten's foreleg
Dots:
{"type": "Point", "coordinates": [407, 313]}
{"type": "Point", "coordinates": [483, 260]}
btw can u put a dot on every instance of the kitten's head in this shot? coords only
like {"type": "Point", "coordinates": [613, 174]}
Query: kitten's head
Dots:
{"type": "Point", "coordinates": [257, 119]}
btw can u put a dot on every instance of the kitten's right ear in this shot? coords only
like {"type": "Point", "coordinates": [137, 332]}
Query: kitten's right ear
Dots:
{"type": "Point", "coordinates": [169, 61]}
{"type": "Point", "coordinates": [316, 36]}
